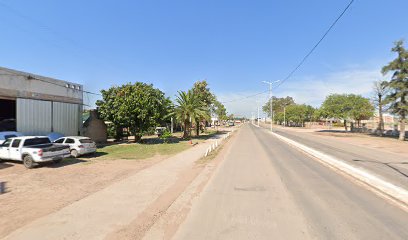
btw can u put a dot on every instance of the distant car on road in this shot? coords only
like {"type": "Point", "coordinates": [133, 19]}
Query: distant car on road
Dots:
{"type": "Point", "coordinates": [78, 145]}
{"type": "Point", "coordinates": [31, 150]}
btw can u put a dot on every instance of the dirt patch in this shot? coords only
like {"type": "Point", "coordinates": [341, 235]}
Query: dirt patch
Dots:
{"type": "Point", "coordinates": [162, 209]}
{"type": "Point", "coordinates": [151, 214]}
{"type": "Point", "coordinates": [377, 143]}
{"type": "Point", "coordinates": [31, 194]}
{"type": "Point", "coordinates": [385, 144]}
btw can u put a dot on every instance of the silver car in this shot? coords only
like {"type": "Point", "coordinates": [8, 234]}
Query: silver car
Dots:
{"type": "Point", "coordinates": [78, 145]}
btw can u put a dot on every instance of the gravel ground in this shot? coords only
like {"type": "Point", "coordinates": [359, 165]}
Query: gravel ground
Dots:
{"type": "Point", "coordinates": [38, 192]}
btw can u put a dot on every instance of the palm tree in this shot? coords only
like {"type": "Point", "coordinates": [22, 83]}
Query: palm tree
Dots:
{"type": "Point", "coordinates": [188, 109]}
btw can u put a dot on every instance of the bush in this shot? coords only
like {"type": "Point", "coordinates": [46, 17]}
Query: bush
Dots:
{"type": "Point", "coordinates": [166, 136]}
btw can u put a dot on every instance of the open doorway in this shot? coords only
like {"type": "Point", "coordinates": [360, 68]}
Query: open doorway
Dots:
{"type": "Point", "coordinates": [7, 115]}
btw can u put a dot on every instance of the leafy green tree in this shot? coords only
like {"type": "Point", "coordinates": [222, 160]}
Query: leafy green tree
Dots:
{"type": "Point", "coordinates": [347, 107]}
{"type": "Point", "coordinates": [189, 108]}
{"type": "Point", "coordinates": [362, 109]}
{"type": "Point", "coordinates": [166, 111]}
{"type": "Point", "coordinates": [219, 109]}
{"type": "Point", "coordinates": [278, 105]}
{"type": "Point", "coordinates": [136, 106]}
{"type": "Point", "coordinates": [202, 92]}
{"type": "Point", "coordinates": [299, 113]}
{"type": "Point", "coordinates": [397, 98]}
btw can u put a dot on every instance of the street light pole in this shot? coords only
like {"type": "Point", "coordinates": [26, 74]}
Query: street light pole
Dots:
{"type": "Point", "coordinates": [270, 99]}
{"type": "Point", "coordinates": [258, 113]}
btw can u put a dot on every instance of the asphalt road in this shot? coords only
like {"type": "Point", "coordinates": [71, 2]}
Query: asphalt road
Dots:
{"type": "Point", "coordinates": [265, 189]}
{"type": "Point", "coordinates": [389, 166]}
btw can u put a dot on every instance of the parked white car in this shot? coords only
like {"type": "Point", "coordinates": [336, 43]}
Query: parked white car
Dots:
{"type": "Point", "coordinates": [6, 135]}
{"type": "Point", "coordinates": [78, 145]}
{"type": "Point", "coordinates": [32, 149]}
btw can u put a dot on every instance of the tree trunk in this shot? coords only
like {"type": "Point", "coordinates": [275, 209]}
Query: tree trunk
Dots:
{"type": "Point", "coordinates": [137, 138]}
{"type": "Point", "coordinates": [197, 128]}
{"type": "Point", "coordinates": [380, 127]}
{"type": "Point", "coordinates": [119, 133]}
{"type": "Point", "coordinates": [185, 130]}
{"type": "Point", "coordinates": [402, 128]}
{"type": "Point", "coordinates": [345, 125]}
{"type": "Point", "coordinates": [134, 131]}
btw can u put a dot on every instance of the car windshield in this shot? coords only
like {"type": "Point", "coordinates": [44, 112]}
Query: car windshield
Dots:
{"type": "Point", "coordinates": [7, 142]}
{"type": "Point", "coordinates": [87, 140]}
{"type": "Point", "coordinates": [36, 141]}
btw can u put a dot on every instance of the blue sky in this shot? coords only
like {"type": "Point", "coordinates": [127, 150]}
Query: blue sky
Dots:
{"type": "Point", "coordinates": [233, 44]}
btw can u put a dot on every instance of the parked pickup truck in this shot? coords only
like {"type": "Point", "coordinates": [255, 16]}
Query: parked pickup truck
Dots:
{"type": "Point", "coordinates": [31, 150]}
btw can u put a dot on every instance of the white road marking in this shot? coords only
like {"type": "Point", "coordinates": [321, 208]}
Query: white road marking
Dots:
{"type": "Point", "coordinates": [379, 185]}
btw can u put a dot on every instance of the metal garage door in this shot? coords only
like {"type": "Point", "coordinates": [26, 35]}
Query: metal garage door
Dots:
{"type": "Point", "coordinates": [33, 116]}
{"type": "Point", "coordinates": [65, 118]}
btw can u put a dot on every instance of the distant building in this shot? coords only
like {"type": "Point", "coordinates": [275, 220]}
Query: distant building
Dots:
{"type": "Point", "coordinates": [38, 105]}
{"type": "Point", "coordinates": [214, 121]}
{"type": "Point", "coordinates": [95, 128]}
{"type": "Point", "coordinates": [387, 118]}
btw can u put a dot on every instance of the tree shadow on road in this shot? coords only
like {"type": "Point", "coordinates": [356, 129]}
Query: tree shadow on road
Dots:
{"type": "Point", "coordinates": [387, 164]}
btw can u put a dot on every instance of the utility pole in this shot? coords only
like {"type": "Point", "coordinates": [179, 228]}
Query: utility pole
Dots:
{"type": "Point", "coordinates": [258, 114]}
{"type": "Point", "coordinates": [270, 99]}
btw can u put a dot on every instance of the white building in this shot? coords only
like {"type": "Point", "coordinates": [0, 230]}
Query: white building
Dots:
{"type": "Point", "coordinates": [38, 105]}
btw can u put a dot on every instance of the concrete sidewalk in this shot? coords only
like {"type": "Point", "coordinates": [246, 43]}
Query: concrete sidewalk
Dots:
{"type": "Point", "coordinates": [114, 207]}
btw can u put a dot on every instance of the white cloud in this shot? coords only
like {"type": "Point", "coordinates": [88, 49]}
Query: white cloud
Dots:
{"type": "Point", "coordinates": [310, 90]}
{"type": "Point", "coordinates": [242, 107]}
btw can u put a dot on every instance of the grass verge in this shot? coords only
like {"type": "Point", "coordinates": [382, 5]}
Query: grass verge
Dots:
{"type": "Point", "coordinates": [150, 147]}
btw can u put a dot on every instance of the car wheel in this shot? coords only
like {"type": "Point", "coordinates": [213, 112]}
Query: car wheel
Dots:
{"type": "Point", "coordinates": [28, 162]}
{"type": "Point", "coordinates": [74, 153]}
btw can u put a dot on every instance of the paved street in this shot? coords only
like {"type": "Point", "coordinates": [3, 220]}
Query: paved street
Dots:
{"type": "Point", "coordinates": [391, 166]}
{"type": "Point", "coordinates": [265, 189]}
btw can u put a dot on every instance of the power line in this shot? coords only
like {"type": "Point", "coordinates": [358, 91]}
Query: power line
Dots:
{"type": "Point", "coordinates": [305, 57]}
{"type": "Point", "coordinates": [55, 33]}
{"type": "Point", "coordinates": [239, 99]}
{"type": "Point", "coordinates": [31, 77]}
{"type": "Point", "coordinates": [316, 45]}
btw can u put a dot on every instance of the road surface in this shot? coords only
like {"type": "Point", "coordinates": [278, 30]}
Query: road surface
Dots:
{"type": "Point", "coordinates": [390, 166]}
{"type": "Point", "coordinates": [265, 189]}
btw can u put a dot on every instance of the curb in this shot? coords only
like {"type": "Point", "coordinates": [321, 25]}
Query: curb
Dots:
{"type": "Point", "coordinates": [378, 184]}
{"type": "Point", "coordinates": [217, 143]}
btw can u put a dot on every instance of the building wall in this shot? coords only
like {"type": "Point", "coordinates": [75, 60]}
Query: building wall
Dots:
{"type": "Point", "coordinates": [37, 117]}
{"type": "Point", "coordinates": [43, 105]}
{"type": "Point", "coordinates": [15, 84]}
{"type": "Point", "coordinates": [65, 118]}
{"type": "Point", "coordinates": [34, 116]}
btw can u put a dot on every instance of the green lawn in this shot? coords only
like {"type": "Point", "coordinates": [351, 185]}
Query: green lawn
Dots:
{"type": "Point", "coordinates": [137, 151]}
{"type": "Point", "coordinates": [150, 147]}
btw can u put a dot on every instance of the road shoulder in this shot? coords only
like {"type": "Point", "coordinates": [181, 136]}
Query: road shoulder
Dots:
{"type": "Point", "coordinates": [116, 206]}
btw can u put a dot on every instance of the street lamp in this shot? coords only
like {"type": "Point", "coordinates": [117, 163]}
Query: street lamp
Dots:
{"type": "Point", "coordinates": [258, 103]}
{"type": "Point", "coordinates": [270, 98]}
